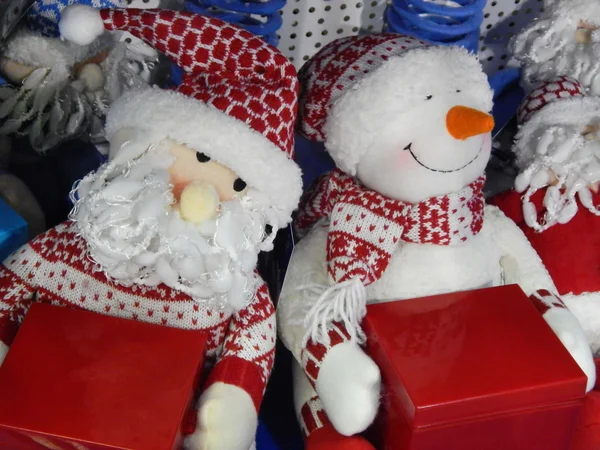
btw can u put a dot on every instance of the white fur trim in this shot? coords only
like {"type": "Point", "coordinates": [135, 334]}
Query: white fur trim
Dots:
{"type": "Point", "coordinates": [81, 24]}
{"type": "Point", "coordinates": [31, 49]}
{"type": "Point", "coordinates": [391, 90]}
{"type": "Point", "coordinates": [579, 111]}
{"type": "Point", "coordinates": [160, 113]}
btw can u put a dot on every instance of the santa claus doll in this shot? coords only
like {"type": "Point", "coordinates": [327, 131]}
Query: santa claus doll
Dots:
{"type": "Point", "coordinates": [556, 202]}
{"type": "Point", "coordinates": [168, 230]}
{"type": "Point", "coordinates": [564, 40]}
{"type": "Point", "coordinates": [60, 90]}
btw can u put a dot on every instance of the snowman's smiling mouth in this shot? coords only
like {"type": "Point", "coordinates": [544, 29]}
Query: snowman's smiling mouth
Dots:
{"type": "Point", "coordinates": [409, 148]}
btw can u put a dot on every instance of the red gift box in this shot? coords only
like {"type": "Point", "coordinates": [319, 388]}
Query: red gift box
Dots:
{"type": "Point", "coordinates": [78, 380]}
{"type": "Point", "coordinates": [478, 370]}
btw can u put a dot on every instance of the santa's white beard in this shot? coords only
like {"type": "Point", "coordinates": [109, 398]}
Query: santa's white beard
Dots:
{"type": "Point", "coordinates": [563, 154]}
{"type": "Point", "coordinates": [561, 55]}
{"type": "Point", "coordinates": [135, 235]}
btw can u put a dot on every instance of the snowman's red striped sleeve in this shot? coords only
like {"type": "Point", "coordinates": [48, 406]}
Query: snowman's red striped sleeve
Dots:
{"type": "Point", "coordinates": [248, 353]}
{"type": "Point", "coordinates": [545, 300]}
{"type": "Point", "coordinates": [312, 356]}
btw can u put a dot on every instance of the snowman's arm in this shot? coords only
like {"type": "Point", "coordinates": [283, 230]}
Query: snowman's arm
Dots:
{"type": "Point", "coordinates": [520, 262]}
{"type": "Point", "coordinates": [522, 265]}
{"type": "Point", "coordinates": [248, 351]}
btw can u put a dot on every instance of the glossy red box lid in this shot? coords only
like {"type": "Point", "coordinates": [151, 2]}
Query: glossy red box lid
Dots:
{"type": "Point", "coordinates": [469, 354]}
{"type": "Point", "coordinates": [103, 380]}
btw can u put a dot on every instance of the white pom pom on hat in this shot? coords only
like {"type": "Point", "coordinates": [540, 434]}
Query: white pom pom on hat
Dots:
{"type": "Point", "coordinates": [81, 24]}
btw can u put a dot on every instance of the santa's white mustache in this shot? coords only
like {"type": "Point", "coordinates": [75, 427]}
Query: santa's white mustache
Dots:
{"type": "Point", "coordinates": [135, 236]}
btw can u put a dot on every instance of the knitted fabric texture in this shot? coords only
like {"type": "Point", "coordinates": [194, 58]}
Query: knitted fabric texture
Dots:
{"type": "Point", "coordinates": [547, 92]}
{"type": "Point", "coordinates": [365, 228]}
{"type": "Point", "coordinates": [55, 268]}
{"type": "Point", "coordinates": [337, 67]}
{"type": "Point", "coordinates": [225, 67]}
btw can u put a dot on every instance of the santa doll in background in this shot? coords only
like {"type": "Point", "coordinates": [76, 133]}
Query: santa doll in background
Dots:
{"type": "Point", "coordinates": [168, 231]}
{"type": "Point", "coordinates": [564, 40]}
{"type": "Point", "coordinates": [60, 90]}
{"type": "Point", "coordinates": [556, 202]}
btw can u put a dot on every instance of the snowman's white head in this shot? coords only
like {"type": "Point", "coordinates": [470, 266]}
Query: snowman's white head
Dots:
{"type": "Point", "coordinates": [416, 128]}
{"type": "Point", "coordinates": [436, 148]}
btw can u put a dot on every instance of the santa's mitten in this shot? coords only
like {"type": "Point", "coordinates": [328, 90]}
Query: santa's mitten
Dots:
{"type": "Point", "coordinates": [227, 420]}
{"type": "Point", "coordinates": [348, 383]}
{"type": "Point", "coordinates": [569, 331]}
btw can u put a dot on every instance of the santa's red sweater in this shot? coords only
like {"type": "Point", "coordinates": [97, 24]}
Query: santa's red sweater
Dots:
{"type": "Point", "coordinates": [570, 252]}
{"type": "Point", "coordinates": [56, 268]}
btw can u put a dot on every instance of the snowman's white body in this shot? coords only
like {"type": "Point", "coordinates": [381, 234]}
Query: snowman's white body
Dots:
{"type": "Point", "coordinates": [418, 270]}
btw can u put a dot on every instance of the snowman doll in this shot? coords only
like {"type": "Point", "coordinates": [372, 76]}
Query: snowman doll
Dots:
{"type": "Point", "coordinates": [168, 231]}
{"type": "Point", "coordinates": [401, 216]}
{"type": "Point", "coordinates": [563, 41]}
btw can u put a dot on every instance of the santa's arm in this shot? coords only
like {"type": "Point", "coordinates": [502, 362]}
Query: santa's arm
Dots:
{"type": "Point", "coordinates": [16, 294]}
{"type": "Point", "coordinates": [248, 352]}
{"type": "Point", "coordinates": [522, 265]}
{"type": "Point", "coordinates": [228, 407]}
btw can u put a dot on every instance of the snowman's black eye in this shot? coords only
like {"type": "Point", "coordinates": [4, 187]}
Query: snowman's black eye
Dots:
{"type": "Point", "coordinates": [429, 97]}
{"type": "Point", "coordinates": [201, 157]}
{"type": "Point", "coordinates": [239, 185]}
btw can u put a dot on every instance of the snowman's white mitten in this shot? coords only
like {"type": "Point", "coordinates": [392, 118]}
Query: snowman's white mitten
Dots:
{"type": "Point", "coordinates": [227, 420]}
{"type": "Point", "coordinates": [349, 385]}
{"type": "Point", "coordinates": [3, 351]}
{"type": "Point", "coordinates": [568, 329]}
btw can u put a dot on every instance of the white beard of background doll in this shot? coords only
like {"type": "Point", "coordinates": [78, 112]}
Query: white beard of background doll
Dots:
{"type": "Point", "coordinates": [62, 90]}
{"type": "Point", "coordinates": [564, 40]}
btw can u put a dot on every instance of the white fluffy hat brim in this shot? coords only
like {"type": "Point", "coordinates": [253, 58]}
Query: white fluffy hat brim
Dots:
{"type": "Point", "coordinates": [392, 90]}
{"type": "Point", "coordinates": [578, 111]}
{"type": "Point", "coordinates": [164, 114]}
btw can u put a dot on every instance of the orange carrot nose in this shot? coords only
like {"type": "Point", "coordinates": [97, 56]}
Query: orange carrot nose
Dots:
{"type": "Point", "coordinates": [463, 122]}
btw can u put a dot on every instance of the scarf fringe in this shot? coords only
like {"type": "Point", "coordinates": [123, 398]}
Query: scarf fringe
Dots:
{"type": "Point", "coordinates": [344, 302]}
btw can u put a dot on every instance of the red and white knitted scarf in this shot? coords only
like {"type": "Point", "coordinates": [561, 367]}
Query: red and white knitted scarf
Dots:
{"type": "Point", "coordinates": [364, 231]}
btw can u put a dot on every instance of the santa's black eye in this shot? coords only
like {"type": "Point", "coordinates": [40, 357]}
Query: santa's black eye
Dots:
{"type": "Point", "coordinates": [239, 185]}
{"type": "Point", "coordinates": [201, 157]}
{"type": "Point", "coordinates": [429, 97]}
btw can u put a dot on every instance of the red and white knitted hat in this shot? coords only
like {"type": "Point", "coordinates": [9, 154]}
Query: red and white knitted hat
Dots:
{"type": "Point", "coordinates": [562, 102]}
{"type": "Point", "coordinates": [551, 91]}
{"type": "Point", "coordinates": [237, 102]}
{"type": "Point", "coordinates": [356, 85]}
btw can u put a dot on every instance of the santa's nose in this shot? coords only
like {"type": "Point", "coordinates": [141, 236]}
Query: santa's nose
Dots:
{"type": "Point", "coordinates": [463, 122]}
